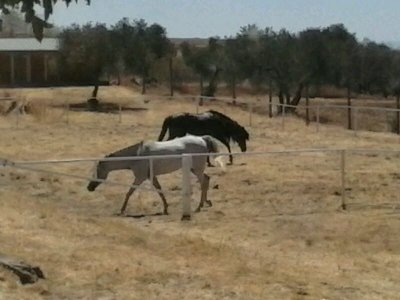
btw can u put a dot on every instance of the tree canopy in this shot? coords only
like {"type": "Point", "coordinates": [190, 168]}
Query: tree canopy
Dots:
{"type": "Point", "coordinates": [27, 7]}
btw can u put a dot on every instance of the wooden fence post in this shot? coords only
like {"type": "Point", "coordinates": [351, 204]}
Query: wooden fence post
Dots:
{"type": "Point", "coordinates": [349, 117]}
{"type": "Point", "coordinates": [270, 99]}
{"type": "Point", "coordinates": [398, 114]}
{"type": "Point", "coordinates": [307, 106]}
{"type": "Point", "coordinates": [186, 187]}
{"type": "Point", "coordinates": [343, 177]}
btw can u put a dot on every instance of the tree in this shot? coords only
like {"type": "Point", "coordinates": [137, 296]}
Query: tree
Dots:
{"type": "Point", "coordinates": [27, 7]}
{"type": "Point", "coordinates": [86, 53]}
{"type": "Point", "coordinates": [141, 45]}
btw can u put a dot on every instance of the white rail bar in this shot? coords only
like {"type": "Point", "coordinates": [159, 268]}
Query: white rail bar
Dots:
{"type": "Point", "coordinates": [271, 152]}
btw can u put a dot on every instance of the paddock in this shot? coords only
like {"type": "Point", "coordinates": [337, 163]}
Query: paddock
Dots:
{"type": "Point", "coordinates": [276, 229]}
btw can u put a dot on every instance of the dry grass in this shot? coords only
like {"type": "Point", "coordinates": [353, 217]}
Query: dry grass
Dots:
{"type": "Point", "coordinates": [274, 232]}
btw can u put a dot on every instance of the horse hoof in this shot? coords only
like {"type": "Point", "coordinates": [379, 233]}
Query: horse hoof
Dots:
{"type": "Point", "coordinates": [165, 213]}
{"type": "Point", "coordinates": [209, 203]}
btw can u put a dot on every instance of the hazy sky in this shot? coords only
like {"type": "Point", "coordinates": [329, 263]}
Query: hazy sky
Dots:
{"type": "Point", "coordinates": [378, 20]}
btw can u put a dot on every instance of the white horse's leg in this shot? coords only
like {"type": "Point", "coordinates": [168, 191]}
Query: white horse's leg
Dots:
{"type": "Point", "coordinates": [158, 187]}
{"type": "Point", "coordinates": [137, 182]}
{"type": "Point", "coordinates": [204, 180]}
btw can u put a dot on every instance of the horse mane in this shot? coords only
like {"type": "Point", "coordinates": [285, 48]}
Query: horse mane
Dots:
{"type": "Point", "coordinates": [128, 151]}
{"type": "Point", "coordinates": [230, 124]}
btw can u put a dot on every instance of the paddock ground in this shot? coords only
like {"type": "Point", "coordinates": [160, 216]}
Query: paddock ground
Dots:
{"type": "Point", "coordinates": [275, 230]}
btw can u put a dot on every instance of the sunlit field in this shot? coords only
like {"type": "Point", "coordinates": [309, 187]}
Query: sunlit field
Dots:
{"type": "Point", "coordinates": [275, 231]}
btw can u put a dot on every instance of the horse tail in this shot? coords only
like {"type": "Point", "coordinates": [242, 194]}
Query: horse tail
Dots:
{"type": "Point", "coordinates": [164, 128]}
{"type": "Point", "coordinates": [212, 144]}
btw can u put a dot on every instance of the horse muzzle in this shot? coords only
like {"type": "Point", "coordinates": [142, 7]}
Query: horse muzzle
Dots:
{"type": "Point", "coordinates": [92, 186]}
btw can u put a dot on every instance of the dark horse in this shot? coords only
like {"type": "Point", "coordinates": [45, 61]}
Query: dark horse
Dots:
{"type": "Point", "coordinates": [211, 123]}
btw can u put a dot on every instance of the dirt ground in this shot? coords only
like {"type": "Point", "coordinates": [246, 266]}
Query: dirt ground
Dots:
{"type": "Point", "coordinates": [275, 231]}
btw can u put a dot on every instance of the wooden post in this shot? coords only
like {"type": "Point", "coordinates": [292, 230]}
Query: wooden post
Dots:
{"type": "Point", "coordinates": [349, 117]}
{"type": "Point", "coordinates": [171, 78]}
{"type": "Point", "coordinates": [318, 113]}
{"type": "Point", "coordinates": [186, 187]}
{"type": "Point", "coordinates": [307, 106]}
{"type": "Point", "coordinates": [355, 117]}
{"type": "Point", "coordinates": [398, 113]}
{"type": "Point", "coordinates": [270, 99]}
{"type": "Point", "coordinates": [283, 116]}
{"type": "Point", "coordinates": [343, 177]}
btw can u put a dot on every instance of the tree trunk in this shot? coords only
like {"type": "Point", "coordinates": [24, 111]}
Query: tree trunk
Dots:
{"type": "Point", "coordinates": [349, 113]}
{"type": "Point", "coordinates": [25, 272]}
{"type": "Point", "coordinates": [93, 102]}
{"type": "Point", "coordinates": [212, 85]}
{"type": "Point", "coordinates": [96, 89]}
{"type": "Point", "coordinates": [296, 99]}
{"type": "Point", "coordinates": [171, 78]}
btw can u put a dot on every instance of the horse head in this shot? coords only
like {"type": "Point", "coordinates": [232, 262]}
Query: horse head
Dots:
{"type": "Point", "coordinates": [240, 136]}
{"type": "Point", "coordinates": [99, 172]}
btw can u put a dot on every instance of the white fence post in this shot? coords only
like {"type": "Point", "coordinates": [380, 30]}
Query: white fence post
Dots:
{"type": "Point", "coordinates": [343, 177]}
{"type": "Point", "coordinates": [186, 187]}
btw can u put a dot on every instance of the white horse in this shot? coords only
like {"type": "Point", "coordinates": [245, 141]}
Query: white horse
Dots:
{"type": "Point", "coordinates": [141, 168]}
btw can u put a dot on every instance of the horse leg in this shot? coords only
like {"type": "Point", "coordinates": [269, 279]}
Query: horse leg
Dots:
{"type": "Point", "coordinates": [209, 163]}
{"type": "Point", "coordinates": [226, 143]}
{"type": "Point", "coordinates": [136, 183]}
{"type": "Point", "coordinates": [204, 180]}
{"type": "Point", "coordinates": [230, 155]}
{"type": "Point", "coordinates": [161, 194]}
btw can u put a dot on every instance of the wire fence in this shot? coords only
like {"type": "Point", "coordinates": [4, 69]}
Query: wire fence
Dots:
{"type": "Point", "coordinates": [186, 189]}
{"type": "Point", "coordinates": [389, 117]}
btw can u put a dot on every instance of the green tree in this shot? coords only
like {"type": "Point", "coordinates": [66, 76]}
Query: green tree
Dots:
{"type": "Point", "coordinates": [141, 46]}
{"type": "Point", "coordinates": [86, 53]}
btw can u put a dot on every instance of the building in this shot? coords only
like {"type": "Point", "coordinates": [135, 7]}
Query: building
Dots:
{"type": "Point", "coordinates": [24, 61]}
{"type": "Point", "coordinates": [27, 62]}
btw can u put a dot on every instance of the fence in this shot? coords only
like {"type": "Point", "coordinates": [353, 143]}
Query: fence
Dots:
{"type": "Point", "coordinates": [186, 167]}
{"type": "Point", "coordinates": [249, 106]}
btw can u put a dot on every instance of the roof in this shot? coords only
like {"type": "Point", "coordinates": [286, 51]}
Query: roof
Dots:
{"type": "Point", "coordinates": [28, 44]}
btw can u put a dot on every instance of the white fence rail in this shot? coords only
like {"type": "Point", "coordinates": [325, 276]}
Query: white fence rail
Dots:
{"type": "Point", "coordinates": [186, 167]}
